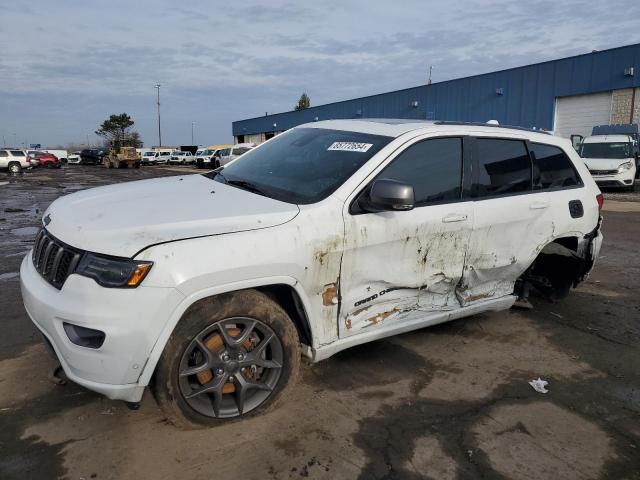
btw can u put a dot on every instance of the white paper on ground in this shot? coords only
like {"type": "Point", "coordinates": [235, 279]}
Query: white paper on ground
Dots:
{"type": "Point", "coordinates": [539, 385]}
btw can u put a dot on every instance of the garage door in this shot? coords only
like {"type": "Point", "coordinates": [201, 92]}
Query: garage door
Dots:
{"type": "Point", "coordinates": [578, 114]}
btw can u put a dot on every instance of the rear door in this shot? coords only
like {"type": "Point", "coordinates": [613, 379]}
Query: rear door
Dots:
{"type": "Point", "coordinates": [511, 220]}
{"type": "Point", "coordinates": [402, 265]}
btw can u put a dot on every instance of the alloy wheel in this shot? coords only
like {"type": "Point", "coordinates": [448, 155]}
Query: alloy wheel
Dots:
{"type": "Point", "coordinates": [230, 367]}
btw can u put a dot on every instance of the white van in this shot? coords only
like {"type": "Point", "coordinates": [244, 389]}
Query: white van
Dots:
{"type": "Point", "coordinates": [611, 160]}
{"type": "Point", "coordinates": [231, 153]}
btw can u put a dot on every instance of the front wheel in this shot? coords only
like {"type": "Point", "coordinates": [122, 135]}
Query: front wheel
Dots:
{"type": "Point", "coordinates": [15, 167]}
{"type": "Point", "coordinates": [230, 356]}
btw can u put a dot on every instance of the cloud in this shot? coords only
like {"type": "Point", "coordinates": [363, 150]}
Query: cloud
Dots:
{"type": "Point", "coordinates": [67, 65]}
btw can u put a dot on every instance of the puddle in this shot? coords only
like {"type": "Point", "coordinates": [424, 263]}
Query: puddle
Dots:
{"type": "Point", "coordinates": [25, 231]}
{"type": "Point", "coordinates": [9, 276]}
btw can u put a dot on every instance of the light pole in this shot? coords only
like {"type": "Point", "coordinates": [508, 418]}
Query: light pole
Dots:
{"type": "Point", "coordinates": [192, 125]}
{"type": "Point", "coordinates": [157, 86]}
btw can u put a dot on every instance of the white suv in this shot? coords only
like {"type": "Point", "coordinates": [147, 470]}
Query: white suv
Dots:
{"type": "Point", "coordinates": [181, 158]}
{"type": "Point", "coordinates": [330, 235]}
{"type": "Point", "coordinates": [233, 152]}
{"type": "Point", "coordinates": [14, 160]}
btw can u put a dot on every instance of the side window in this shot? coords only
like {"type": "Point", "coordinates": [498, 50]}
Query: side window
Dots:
{"type": "Point", "coordinates": [3, 153]}
{"type": "Point", "coordinates": [504, 167]}
{"type": "Point", "coordinates": [552, 168]}
{"type": "Point", "coordinates": [433, 167]}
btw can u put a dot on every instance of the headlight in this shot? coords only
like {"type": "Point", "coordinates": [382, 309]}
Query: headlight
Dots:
{"type": "Point", "coordinates": [624, 167]}
{"type": "Point", "coordinates": [113, 272]}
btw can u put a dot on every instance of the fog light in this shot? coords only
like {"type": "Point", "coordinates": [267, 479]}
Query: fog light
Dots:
{"type": "Point", "coordinates": [84, 337]}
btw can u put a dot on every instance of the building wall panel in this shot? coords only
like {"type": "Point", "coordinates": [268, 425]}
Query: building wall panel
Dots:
{"type": "Point", "coordinates": [528, 99]}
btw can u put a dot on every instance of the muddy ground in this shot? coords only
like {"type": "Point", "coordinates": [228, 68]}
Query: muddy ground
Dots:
{"type": "Point", "coordinates": [448, 402]}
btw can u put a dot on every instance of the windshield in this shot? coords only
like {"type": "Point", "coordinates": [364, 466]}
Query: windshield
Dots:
{"type": "Point", "coordinates": [149, 154]}
{"type": "Point", "coordinates": [606, 150]}
{"type": "Point", "coordinates": [303, 165]}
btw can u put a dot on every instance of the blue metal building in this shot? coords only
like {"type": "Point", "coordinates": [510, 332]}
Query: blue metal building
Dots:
{"type": "Point", "coordinates": [552, 95]}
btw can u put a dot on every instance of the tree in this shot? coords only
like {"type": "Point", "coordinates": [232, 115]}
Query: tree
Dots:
{"type": "Point", "coordinates": [134, 140]}
{"type": "Point", "coordinates": [304, 102]}
{"type": "Point", "coordinates": [117, 129]}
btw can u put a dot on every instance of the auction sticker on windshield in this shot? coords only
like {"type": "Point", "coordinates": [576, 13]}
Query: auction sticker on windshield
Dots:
{"type": "Point", "coordinates": [350, 146]}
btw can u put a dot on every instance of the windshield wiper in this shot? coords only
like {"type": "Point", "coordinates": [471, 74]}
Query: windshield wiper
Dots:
{"type": "Point", "coordinates": [248, 186]}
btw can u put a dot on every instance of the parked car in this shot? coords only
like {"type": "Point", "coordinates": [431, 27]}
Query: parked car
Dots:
{"type": "Point", "coordinates": [92, 156]}
{"type": "Point", "coordinates": [228, 154]}
{"type": "Point", "coordinates": [31, 156]}
{"type": "Point", "coordinates": [209, 157]}
{"type": "Point", "coordinates": [44, 159]}
{"type": "Point", "coordinates": [611, 159]}
{"type": "Point", "coordinates": [61, 155]}
{"type": "Point", "coordinates": [74, 158]}
{"type": "Point", "coordinates": [332, 234]}
{"type": "Point", "coordinates": [181, 158]}
{"type": "Point", "coordinates": [149, 158]}
{"type": "Point", "coordinates": [162, 157]}
{"type": "Point", "coordinates": [14, 160]}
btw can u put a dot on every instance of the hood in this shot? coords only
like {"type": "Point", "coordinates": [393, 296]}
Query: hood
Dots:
{"type": "Point", "coordinates": [125, 218]}
{"type": "Point", "coordinates": [605, 163]}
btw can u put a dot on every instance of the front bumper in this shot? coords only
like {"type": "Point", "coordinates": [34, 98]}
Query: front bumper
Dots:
{"type": "Point", "coordinates": [132, 320]}
{"type": "Point", "coordinates": [624, 179]}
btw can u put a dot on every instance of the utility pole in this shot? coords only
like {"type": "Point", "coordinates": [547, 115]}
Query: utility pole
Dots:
{"type": "Point", "coordinates": [157, 86]}
{"type": "Point", "coordinates": [430, 68]}
{"type": "Point", "coordinates": [192, 125]}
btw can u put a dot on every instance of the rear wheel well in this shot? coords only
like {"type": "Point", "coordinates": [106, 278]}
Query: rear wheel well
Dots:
{"type": "Point", "coordinates": [557, 268]}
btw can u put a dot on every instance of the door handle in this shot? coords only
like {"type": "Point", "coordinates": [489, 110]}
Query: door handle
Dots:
{"type": "Point", "coordinates": [538, 205]}
{"type": "Point", "coordinates": [454, 217]}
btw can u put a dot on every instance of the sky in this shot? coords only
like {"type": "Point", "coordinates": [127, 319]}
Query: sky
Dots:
{"type": "Point", "coordinates": [66, 65]}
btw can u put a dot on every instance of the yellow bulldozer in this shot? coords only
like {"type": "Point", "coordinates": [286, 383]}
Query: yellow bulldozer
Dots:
{"type": "Point", "coordinates": [122, 157]}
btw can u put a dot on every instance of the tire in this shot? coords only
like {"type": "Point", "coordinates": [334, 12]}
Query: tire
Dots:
{"type": "Point", "coordinates": [205, 320]}
{"type": "Point", "coordinates": [14, 167]}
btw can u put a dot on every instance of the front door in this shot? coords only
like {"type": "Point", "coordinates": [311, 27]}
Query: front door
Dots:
{"type": "Point", "coordinates": [400, 265]}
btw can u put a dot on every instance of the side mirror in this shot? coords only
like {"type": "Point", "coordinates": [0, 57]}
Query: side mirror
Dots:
{"type": "Point", "coordinates": [388, 195]}
{"type": "Point", "coordinates": [576, 141]}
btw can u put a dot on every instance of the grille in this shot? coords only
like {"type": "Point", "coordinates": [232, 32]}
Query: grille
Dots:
{"type": "Point", "coordinates": [54, 260]}
{"type": "Point", "coordinates": [603, 172]}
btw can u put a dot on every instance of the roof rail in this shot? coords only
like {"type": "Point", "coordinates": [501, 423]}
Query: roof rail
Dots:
{"type": "Point", "coordinates": [481, 124]}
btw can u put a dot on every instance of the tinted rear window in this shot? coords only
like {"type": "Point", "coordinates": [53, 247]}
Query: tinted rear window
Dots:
{"type": "Point", "coordinates": [504, 167]}
{"type": "Point", "coordinates": [553, 168]}
{"type": "Point", "coordinates": [17, 153]}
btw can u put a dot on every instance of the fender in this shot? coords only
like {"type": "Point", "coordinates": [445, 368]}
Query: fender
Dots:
{"type": "Point", "coordinates": [190, 299]}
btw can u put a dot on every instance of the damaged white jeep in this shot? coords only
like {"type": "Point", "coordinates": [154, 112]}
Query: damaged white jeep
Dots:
{"type": "Point", "coordinates": [330, 235]}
